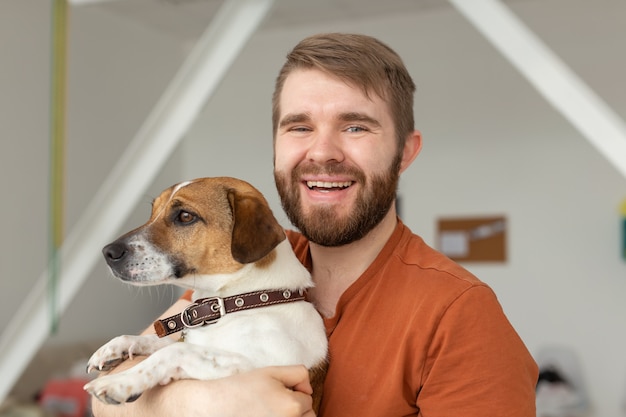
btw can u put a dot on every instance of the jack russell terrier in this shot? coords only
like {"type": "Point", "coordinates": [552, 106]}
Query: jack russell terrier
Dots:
{"type": "Point", "coordinates": [219, 237]}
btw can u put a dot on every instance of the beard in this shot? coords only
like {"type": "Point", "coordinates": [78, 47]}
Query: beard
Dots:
{"type": "Point", "coordinates": [322, 225]}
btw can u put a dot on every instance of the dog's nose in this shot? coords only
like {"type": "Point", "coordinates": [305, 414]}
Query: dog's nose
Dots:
{"type": "Point", "coordinates": [115, 251]}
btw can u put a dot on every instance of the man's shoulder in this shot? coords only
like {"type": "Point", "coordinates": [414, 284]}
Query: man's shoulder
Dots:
{"type": "Point", "coordinates": [412, 252]}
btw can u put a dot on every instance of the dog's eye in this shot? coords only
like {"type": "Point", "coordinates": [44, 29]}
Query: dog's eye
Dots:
{"type": "Point", "coordinates": [185, 217]}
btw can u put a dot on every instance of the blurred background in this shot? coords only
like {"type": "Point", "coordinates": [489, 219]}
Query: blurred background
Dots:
{"type": "Point", "coordinates": [493, 145]}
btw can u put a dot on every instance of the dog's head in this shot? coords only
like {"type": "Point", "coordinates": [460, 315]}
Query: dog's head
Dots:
{"type": "Point", "coordinates": [206, 226]}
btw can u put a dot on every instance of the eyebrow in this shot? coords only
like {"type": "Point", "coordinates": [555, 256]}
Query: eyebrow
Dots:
{"type": "Point", "coordinates": [358, 117]}
{"type": "Point", "coordinates": [345, 117]}
{"type": "Point", "coordinates": [294, 118]}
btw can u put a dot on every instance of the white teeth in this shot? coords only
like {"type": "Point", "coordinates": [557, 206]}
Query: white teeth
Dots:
{"type": "Point", "coordinates": [322, 184]}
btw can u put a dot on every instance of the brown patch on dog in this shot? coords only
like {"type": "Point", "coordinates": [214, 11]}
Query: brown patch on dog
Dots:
{"type": "Point", "coordinates": [241, 230]}
{"type": "Point", "coordinates": [196, 212]}
{"type": "Point", "coordinates": [317, 375]}
{"type": "Point", "coordinates": [255, 230]}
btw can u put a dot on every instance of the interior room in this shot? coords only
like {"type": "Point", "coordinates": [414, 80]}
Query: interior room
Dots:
{"type": "Point", "coordinates": [161, 91]}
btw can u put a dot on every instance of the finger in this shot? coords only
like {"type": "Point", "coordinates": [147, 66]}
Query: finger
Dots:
{"type": "Point", "coordinates": [295, 377]}
{"type": "Point", "coordinates": [305, 404]}
{"type": "Point", "coordinates": [304, 387]}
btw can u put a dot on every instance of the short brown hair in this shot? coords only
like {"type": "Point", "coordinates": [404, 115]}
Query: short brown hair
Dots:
{"type": "Point", "coordinates": [360, 60]}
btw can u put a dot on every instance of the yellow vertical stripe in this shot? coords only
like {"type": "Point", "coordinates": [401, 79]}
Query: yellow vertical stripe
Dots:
{"type": "Point", "coordinates": [57, 151]}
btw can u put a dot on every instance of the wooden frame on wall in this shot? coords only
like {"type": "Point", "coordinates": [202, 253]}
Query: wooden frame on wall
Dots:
{"type": "Point", "coordinates": [473, 239]}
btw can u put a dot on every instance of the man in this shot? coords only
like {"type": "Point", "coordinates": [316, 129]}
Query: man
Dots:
{"type": "Point", "coordinates": [410, 332]}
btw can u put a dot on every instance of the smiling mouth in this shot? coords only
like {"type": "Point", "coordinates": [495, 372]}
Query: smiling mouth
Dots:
{"type": "Point", "coordinates": [328, 186]}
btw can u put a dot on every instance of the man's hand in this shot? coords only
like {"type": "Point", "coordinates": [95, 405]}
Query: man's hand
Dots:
{"type": "Point", "coordinates": [272, 392]}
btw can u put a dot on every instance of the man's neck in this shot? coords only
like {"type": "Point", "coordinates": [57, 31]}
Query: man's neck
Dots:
{"type": "Point", "coordinates": [336, 268]}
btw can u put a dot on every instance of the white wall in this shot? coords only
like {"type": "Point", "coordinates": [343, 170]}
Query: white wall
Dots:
{"type": "Point", "coordinates": [116, 73]}
{"type": "Point", "coordinates": [491, 146]}
{"type": "Point", "coordinates": [24, 90]}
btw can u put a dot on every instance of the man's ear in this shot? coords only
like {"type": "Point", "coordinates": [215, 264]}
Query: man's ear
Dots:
{"type": "Point", "coordinates": [256, 232]}
{"type": "Point", "coordinates": [412, 148]}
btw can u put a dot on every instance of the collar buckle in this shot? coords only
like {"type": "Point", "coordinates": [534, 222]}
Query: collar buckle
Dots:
{"type": "Point", "coordinates": [189, 316]}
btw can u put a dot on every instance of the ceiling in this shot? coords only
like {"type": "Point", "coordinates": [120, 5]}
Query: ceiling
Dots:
{"type": "Point", "coordinates": [187, 19]}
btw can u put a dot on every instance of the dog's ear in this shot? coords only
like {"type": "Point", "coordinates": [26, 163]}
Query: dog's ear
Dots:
{"type": "Point", "coordinates": [255, 229]}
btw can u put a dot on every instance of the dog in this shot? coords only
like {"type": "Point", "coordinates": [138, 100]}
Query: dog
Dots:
{"type": "Point", "coordinates": [217, 236]}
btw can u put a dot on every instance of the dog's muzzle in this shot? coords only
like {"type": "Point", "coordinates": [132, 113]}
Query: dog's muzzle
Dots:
{"type": "Point", "coordinates": [138, 262]}
{"type": "Point", "coordinates": [117, 255]}
{"type": "Point", "coordinates": [115, 252]}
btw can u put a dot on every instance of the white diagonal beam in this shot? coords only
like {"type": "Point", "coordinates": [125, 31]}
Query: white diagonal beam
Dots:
{"type": "Point", "coordinates": [183, 99]}
{"type": "Point", "coordinates": [84, 2]}
{"type": "Point", "coordinates": [552, 78]}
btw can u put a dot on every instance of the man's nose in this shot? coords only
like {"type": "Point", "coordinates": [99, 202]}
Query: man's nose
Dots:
{"type": "Point", "coordinates": [326, 147]}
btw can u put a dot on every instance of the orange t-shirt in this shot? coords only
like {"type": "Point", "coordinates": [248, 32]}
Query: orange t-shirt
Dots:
{"type": "Point", "coordinates": [418, 335]}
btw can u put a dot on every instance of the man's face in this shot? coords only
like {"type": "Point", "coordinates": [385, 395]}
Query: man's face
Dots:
{"type": "Point", "coordinates": [336, 161]}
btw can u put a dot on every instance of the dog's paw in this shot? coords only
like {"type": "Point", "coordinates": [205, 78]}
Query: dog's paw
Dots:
{"type": "Point", "coordinates": [113, 389]}
{"type": "Point", "coordinates": [124, 347]}
{"type": "Point", "coordinates": [113, 353]}
{"type": "Point", "coordinates": [105, 366]}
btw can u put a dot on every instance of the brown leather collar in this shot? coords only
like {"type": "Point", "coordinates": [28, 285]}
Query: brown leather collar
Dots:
{"type": "Point", "coordinates": [209, 310]}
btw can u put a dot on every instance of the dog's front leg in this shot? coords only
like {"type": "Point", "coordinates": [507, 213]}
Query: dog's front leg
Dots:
{"type": "Point", "coordinates": [174, 362]}
{"type": "Point", "coordinates": [121, 348]}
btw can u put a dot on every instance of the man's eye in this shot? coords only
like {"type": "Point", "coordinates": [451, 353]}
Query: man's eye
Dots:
{"type": "Point", "coordinates": [356, 129]}
{"type": "Point", "coordinates": [299, 129]}
{"type": "Point", "coordinates": [185, 217]}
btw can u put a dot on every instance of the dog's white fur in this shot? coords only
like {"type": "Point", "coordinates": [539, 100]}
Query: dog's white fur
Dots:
{"type": "Point", "coordinates": [283, 334]}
